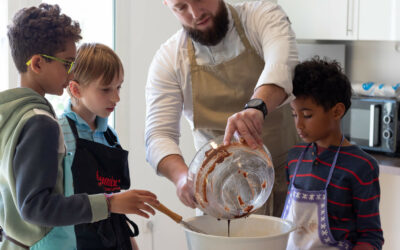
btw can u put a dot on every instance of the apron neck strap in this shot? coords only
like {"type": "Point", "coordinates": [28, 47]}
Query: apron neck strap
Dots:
{"type": "Point", "coordinates": [239, 27]}
{"type": "Point", "coordinates": [299, 160]}
{"type": "Point", "coordinates": [109, 135]}
{"type": "Point", "coordinates": [191, 54]}
{"type": "Point", "coordinates": [111, 138]}
{"type": "Point", "coordinates": [73, 127]}
{"type": "Point", "coordinates": [328, 180]}
{"type": "Point", "coordinates": [334, 163]}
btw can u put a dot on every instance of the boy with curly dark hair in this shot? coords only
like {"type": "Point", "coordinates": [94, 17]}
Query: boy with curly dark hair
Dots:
{"type": "Point", "coordinates": [34, 212]}
{"type": "Point", "coordinates": [333, 185]}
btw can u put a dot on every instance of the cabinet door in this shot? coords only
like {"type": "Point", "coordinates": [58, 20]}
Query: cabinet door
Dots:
{"type": "Point", "coordinates": [379, 20]}
{"type": "Point", "coordinates": [322, 19]}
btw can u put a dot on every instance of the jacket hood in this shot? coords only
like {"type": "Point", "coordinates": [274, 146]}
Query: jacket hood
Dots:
{"type": "Point", "coordinates": [14, 103]}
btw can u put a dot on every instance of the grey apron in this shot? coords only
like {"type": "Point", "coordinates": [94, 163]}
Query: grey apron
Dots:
{"type": "Point", "coordinates": [220, 91]}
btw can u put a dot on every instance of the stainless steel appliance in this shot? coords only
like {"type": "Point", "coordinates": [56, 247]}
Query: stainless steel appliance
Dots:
{"type": "Point", "coordinates": [373, 124]}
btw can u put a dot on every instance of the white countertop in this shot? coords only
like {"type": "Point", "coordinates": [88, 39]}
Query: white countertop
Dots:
{"type": "Point", "coordinates": [387, 164]}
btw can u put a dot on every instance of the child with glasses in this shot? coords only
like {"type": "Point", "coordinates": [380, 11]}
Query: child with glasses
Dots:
{"type": "Point", "coordinates": [67, 64]}
{"type": "Point", "coordinates": [95, 160]}
{"type": "Point", "coordinates": [333, 185]}
{"type": "Point", "coordinates": [33, 204]}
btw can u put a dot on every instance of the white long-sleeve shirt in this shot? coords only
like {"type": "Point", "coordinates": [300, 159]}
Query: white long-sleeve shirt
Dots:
{"type": "Point", "coordinates": [168, 88]}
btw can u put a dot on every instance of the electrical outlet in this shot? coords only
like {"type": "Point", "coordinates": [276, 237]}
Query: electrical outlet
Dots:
{"type": "Point", "coordinates": [149, 225]}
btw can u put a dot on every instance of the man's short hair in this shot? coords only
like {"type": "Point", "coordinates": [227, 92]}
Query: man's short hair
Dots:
{"type": "Point", "coordinates": [323, 81]}
{"type": "Point", "coordinates": [40, 30]}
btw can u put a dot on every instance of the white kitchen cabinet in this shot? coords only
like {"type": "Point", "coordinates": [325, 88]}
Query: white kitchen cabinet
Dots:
{"type": "Point", "coordinates": [379, 20]}
{"type": "Point", "coordinates": [322, 19]}
{"type": "Point", "coordinates": [344, 19]}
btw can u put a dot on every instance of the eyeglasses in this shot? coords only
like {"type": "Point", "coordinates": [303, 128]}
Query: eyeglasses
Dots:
{"type": "Point", "coordinates": [67, 64]}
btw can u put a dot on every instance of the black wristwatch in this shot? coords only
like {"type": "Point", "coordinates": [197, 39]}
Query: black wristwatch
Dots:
{"type": "Point", "coordinates": [257, 104]}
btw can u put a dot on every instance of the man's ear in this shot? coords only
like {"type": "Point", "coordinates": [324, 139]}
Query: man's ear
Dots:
{"type": "Point", "coordinates": [36, 63]}
{"type": "Point", "coordinates": [75, 89]}
{"type": "Point", "coordinates": [338, 111]}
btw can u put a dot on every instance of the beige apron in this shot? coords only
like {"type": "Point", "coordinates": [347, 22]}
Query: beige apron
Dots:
{"type": "Point", "coordinates": [220, 91]}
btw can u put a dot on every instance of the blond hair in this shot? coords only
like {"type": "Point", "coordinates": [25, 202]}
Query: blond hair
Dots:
{"type": "Point", "coordinates": [94, 61]}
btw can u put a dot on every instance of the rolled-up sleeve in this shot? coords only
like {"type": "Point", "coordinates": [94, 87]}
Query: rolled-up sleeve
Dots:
{"type": "Point", "coordinates": [164, 102]}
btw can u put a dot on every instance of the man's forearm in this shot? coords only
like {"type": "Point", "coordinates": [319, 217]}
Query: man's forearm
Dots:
{"type": "Point", "coordinates": [174, 168]}
{"type": "Point", "coordinates": [272, 95]}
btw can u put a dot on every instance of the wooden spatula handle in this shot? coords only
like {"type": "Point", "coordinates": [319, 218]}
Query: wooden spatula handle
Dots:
{"type": "Point", "coordinates": [172, 215]}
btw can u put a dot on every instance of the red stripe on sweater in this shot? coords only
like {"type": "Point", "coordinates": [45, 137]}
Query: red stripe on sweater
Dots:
{"type": "Point", "coordinates": [341, 168]}
{"type": "Point", "coordinates": [341, 219]}
{"type": "Point", "coordinates": [351, 172]}
{"type": "Point", "coordinates": [340, 229]}
{"type": "Point", "coordinates": [356, 156]}
{"type": "Point", "coordinates": [341, 152]}
{"type": "Point", "coordinates": [321, 179]}
{"type": "Point", "coordinates": [339, 204]}
{"type": "Point", "coordinates": [368, 199]}
{"type": "Point", "coordinates": [309, 175]}
{"type": "Point", "coordinates": [370, 230]}
{"type": "Point", "coordinates": [367, 215]}
{"type": "Point", "coordinates": [295, 160]}
{"type": "Point", "coordinates": [364, 243]}
{"type": "Point", "coordinates": [339, 187]}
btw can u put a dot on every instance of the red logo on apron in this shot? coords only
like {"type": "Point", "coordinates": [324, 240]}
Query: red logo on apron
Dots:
{"type": "Point", "coordinates": [109, 184]}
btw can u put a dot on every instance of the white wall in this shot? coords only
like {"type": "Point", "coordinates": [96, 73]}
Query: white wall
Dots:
{"type": "Point", "coordinates": [142, 26]}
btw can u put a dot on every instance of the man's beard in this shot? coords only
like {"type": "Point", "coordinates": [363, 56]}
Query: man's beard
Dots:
{"type": "Point", "coordinates": [216, 33]}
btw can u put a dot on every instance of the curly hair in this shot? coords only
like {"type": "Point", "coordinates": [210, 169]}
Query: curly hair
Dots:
{"type": "Point", "coordinates": [40, 30]}
{"type": "Point", "coordinates": [323, 81]}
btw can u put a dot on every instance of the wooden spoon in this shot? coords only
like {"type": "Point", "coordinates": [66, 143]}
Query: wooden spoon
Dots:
{"type": "Point", "coordinates": [177, 218]}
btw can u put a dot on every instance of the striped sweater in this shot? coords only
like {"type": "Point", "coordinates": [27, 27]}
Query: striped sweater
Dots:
{"type": "Point", "coordinates": [353, 193]}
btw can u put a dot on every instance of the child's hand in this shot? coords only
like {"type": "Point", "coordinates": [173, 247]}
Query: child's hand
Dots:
{"type": "Point", "coordinates": [133, 202]}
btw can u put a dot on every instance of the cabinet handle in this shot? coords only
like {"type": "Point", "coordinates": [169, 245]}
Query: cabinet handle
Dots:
{"type": "Point", "coordinates": [374, 119]}
{"type": "Point", "coordinates": [350, 17]}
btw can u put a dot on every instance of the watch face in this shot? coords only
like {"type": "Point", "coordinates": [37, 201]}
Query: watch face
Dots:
{"type": "Point", "coordinates": [254, 102]}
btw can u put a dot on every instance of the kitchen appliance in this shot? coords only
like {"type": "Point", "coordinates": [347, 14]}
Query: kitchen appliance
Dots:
{"type": "Point", "coordinates": [230, 181]}
{"type": "Point", "coordinates": [373, 124]}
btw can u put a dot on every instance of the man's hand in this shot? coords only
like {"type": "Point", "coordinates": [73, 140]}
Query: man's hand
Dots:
{"type": "Point", "coordinates": [184, 192]}
{"type": "Point", "coordinates": [248, 123]}
{"type": "Point", "coordinates": [174, 168]}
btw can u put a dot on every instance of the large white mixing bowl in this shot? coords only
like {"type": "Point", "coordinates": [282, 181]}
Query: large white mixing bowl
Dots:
{"type": "Point", "coordinates": [256, 232]}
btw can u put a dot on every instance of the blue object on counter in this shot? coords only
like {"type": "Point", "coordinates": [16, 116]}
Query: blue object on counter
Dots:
{"type": "Point", "coordinates": [367, 85]}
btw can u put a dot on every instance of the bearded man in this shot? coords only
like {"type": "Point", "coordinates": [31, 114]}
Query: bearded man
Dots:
{"type": "Point", "coordinates": [229, 70]}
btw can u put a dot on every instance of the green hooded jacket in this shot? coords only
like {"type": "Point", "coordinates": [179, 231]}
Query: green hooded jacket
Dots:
{"type": "Point", "coordinates": [17, 106]}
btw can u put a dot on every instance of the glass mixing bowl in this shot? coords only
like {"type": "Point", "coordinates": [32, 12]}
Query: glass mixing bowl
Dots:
{"type": "Point", "coordinates": [230, 181]}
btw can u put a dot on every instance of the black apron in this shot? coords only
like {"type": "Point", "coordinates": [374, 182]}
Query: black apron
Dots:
{"type": "Point", "coordinates": [98, 168]}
